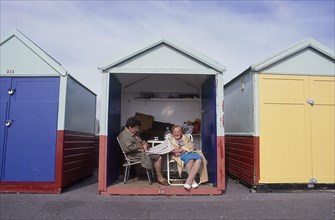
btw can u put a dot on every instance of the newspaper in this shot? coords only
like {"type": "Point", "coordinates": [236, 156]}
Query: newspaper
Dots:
{"type": "Point", "coordinates": [162, 148]}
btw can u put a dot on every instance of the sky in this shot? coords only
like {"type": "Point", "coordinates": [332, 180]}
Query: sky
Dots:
{"type": "Point", "coordinates": [83, 34]}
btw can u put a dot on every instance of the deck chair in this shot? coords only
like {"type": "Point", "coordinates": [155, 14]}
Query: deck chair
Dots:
{"type": "Point", "coordinates": [129, 162]}
{"type": "Point", "coordinates": [172, 163]}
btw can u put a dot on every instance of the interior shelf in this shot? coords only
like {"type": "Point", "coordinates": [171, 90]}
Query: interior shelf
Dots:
{"type": "Point", "coordinates": [169, 99]}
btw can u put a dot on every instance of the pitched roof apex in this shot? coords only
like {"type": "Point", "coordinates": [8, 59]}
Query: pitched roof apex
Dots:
{"type": "Point", "coordinates": [36, 49]}
{"type": "Point", "coordinates": [308, 42]}
{"type": "Point", "coordinates": [171, 42]}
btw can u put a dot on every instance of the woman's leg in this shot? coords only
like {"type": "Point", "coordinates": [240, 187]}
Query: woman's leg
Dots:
{"type": "Point", "coordinates": [159, 169]}
{"type": "Point", "coordinates": [189, 166]}
{"type": "Point", "coordinates": [192, 170]}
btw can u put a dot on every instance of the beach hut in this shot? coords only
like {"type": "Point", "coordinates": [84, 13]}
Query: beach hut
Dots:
{"type": "Point", "coordinates": [47, 121]}
{"type": "Point", "coordinates": [279, 120]}
{"type": "Point", "coordinates": [167, 83]}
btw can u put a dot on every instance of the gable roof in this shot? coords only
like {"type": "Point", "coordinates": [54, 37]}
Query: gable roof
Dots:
{"type": "Point", "coordinates": [190, 52]}
{"type": "Point", "coordinates": [54, 64]}
{"type": "Point", "coordinates": [309, 42]}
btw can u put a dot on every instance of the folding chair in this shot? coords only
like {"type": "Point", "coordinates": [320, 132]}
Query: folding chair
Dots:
{"type": "Point", "coordinates": [129, 162]}
{"type": "Point", "coordinates": [174, 163]}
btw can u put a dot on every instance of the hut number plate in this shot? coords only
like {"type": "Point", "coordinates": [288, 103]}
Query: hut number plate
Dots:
{"type": "Point", "coordinates": [10, 71]}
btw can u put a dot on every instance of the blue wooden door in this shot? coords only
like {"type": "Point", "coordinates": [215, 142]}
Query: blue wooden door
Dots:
{"type": "Point", "coordinates": [5, 85]}
{"type": "Point", "coordinates": [114, 153]}
{"type": "Point", "coordinates": [208, 129]}
{"type": "Point", "coordinates": [31, 138]}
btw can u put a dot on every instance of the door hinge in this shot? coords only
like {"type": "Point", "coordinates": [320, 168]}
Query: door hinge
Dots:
{"type": "Point", "coordinates": [312, 181]}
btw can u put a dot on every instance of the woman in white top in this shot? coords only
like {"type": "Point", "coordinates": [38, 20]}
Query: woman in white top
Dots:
{"type": "Point", "coordinates": [184, 153]}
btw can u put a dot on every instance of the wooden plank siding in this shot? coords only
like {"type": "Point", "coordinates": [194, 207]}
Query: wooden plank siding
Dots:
{"type": "Point", "coordinates": [78, 156]}
{"type": "Point", "coordinates": [242, 158]}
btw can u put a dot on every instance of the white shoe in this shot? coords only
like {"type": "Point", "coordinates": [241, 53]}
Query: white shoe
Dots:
{"type": "Point", "coordinates": [195, 185]}
{"type": "Point", "coordinates": [186, 186]}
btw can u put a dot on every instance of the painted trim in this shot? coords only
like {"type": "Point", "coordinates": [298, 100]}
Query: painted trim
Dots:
{"type": "Point", "coordinates": [220, 139]}
{"type": "Point", "coordinates": [292, 73]}
{"type": "Point", "coordinates": [162, 71]}
{"type": "Point", "coordinates": [239, 134]}
{"type": "Point", "coordinates": [256, 103]}
{"type": "Point", "coordinates": [104, 104]}
{"type": "Point", "coordinates": [62, 103]}
{"type": "Point", "coordinates": [221, 169]}
{"type": "Point", "coordinates": [256, 160]}
{"type": "Point", "coordinates": [102, 176]}
{"type": "Point", "coordinates": [28, 75]}
{"type": "Point", "coordinates": [59, 158]}
{"type": "Point", "coordinates": [219, 105]}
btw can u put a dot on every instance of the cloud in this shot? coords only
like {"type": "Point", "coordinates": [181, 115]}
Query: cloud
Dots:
{"type": "Point", "coordinates": [83, 34]}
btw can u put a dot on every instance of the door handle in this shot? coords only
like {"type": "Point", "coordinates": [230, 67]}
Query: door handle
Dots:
{"type": "Point", "coordinates": [310, 101]}
{"type": "Point", "coordinates": [11, 91]}
{"type": "Point", "coordinates": [8, 123]}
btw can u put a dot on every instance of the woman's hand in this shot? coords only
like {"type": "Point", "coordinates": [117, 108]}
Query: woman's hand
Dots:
{"type": "Point", "coordinates": [145, 146]}
{"type": "Point", "coordinates": [176, 154]}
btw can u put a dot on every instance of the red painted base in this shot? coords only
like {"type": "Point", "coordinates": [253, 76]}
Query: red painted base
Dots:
{"type": "Point", "coordinates": [29, 187]}
{"type": "Point", "coordinates": [163, 190]}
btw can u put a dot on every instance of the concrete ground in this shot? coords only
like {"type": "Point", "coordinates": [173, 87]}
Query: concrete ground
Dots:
{"type": "Point", "coordinates": [81, 201]}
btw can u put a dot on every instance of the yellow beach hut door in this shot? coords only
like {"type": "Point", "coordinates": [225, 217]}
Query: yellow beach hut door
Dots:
{"type": "Point", "coordinates": [322, 90]}
{"type": "Point", "coordinates": [296, 128]}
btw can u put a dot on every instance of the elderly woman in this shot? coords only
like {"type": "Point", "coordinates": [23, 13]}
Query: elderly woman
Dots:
{"type": "Point", "coordinates": [135, 147]}
{"type": "Point", "coordinates": [184, 153]}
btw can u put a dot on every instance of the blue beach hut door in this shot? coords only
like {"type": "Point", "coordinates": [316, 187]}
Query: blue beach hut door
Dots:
{"type": "Point", "coordinates": [28, 145]}
{"type": "Point", "coordinates": [208, 130]}
{"type": "Point", "coordinates": [114, 123]}
{"type": "Point", "coordinates": [5, 85]}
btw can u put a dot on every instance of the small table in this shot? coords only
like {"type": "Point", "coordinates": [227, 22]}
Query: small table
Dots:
{"type": "Point", "coordinates": [153, 142]}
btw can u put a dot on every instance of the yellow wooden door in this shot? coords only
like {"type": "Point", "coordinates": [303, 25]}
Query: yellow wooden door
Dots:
{"type": "Point", "coordinates": [322, 93]}
{"type": "Point", "coordinates": [297, 128]}
{"type": "Point", "coordinates": [284, 157]}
